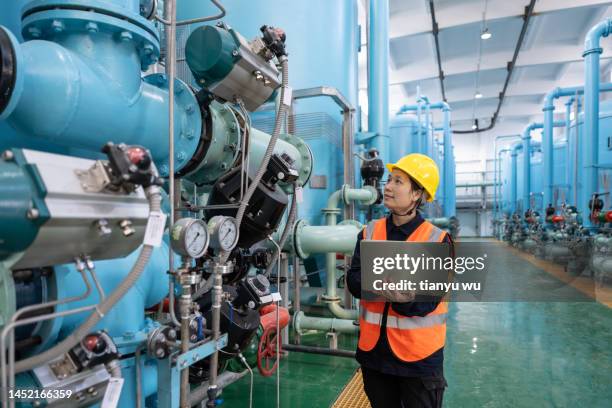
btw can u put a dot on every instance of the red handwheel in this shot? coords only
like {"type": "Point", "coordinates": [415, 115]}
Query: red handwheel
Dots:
{"type": "Point", "coordinates": [267, 352]}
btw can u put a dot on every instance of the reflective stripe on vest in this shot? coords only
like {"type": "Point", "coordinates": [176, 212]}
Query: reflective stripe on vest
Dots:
{"type": "Point", "coordinates": [410, 338]}
{"type": "Point", "coordinates": [404, 322]}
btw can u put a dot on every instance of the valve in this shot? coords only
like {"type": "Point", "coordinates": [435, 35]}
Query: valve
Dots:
{"type": "Point", "coordinates": [129, 166]}
{"type": "Point", "coordinates": [274, 38]}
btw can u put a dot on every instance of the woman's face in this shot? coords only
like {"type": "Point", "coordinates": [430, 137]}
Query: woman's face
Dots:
{"type": "Point", "coordinates": [399, 195]}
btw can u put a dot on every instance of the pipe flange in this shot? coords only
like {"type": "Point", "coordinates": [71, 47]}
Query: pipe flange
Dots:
{"type": "Point", "coordinates": [355, 223]}
{"type": "Point", "coordinates": [189, 279]}
{"type": "Point", "coordinates": [297, 244]}
{"type": "Point", "coordinates": [45, 19]}
{"type": "Point", "coordinates": [296, 322]}
{"type": "Point", "coordinates": [332, 211]}
{"type": "Point", "coordinates": [8, 69]}
{"type": "Point", "coordinates": [223, 148]}
{"type": "Point", "coordinates": [374, 192]}
{"type": "Point", "coordinates": [307, 160]}
{"type": "Point", "coordinates": [330, 299]}
{"type": "Point", "coordinates": [186, 138]}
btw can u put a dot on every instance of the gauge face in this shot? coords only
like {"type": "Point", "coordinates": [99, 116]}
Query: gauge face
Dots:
{"type": "Point", "coordinates": [190, 237]}
{"type": "Point", "coordinates": [224, 232]}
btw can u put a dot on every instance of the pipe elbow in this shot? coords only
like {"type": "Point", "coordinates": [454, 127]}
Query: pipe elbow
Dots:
{"type": "Point", "coordinates": [591, 42]}
{"type": "Point", "coordinates": [550, 97]}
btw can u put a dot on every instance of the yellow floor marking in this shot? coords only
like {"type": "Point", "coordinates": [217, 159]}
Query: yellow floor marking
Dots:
{"type": "Point", "coordinates": [583, 284]}
{"type": "Point", "coordinates": [353, 395]}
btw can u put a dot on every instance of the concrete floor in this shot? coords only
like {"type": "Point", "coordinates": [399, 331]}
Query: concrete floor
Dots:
{"type": "Point", "coordinates": [504, 354]}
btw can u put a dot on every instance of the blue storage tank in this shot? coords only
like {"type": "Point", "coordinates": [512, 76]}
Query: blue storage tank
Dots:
{"type": "Point", "coordinates": [567, 174]}
{"type": "Point", "coordinates": [403, 131]}
{"type": "Point", "coordinates": [604, 157]}
{"type": "Point", "coordinates": [323, 40]}
{"type": "Point", "coordinates": [560, 182]}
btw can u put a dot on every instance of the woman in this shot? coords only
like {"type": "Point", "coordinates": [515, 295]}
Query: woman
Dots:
{"type": "Point", "coordinates": [402, 364]}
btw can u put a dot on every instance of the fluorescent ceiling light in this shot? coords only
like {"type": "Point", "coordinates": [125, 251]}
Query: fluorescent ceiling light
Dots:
{"type": "Point", "coordinates": [486, 34]}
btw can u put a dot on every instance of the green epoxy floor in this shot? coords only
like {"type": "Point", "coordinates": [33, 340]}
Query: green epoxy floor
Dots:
{"type": "Point", "coordinates": [506, 354]}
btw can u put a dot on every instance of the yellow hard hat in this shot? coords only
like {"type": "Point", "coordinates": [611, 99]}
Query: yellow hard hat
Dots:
{"type": "Point", "coordinates": [421, 169]}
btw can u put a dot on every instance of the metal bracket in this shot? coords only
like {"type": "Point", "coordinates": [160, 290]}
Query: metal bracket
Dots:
{"type": "Point", "coordinates": [199, 353]}
{"type": "Point", "coordinates": [95, 179]}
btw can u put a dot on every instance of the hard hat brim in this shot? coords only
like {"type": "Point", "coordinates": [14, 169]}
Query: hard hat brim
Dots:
{"type": "Point", "coordinates": [391, 166]}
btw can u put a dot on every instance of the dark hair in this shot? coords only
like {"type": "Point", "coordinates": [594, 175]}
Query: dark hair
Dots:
{"type": "Point", "coordinates": [416, 186]}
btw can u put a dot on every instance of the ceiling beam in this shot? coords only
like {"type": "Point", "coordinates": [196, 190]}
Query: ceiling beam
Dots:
{"type": "Point", "coordinates": [463, 13]}
{"type": "Point", "coordinates": [552, 54]}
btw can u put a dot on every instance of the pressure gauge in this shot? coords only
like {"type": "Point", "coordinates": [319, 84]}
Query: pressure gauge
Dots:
{"type": "Point", "coordinates": [190, 237]}
{"type": "Point", "coordinates": [224, 232]}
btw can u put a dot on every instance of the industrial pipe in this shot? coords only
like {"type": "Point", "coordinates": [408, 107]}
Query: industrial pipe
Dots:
{"type": "Point", "coordinates": [348, 113]}
{"type": "Point", "coordinates": [366, 195]}
{"type": "Point", "coordinates": [378, 76]}
{"type": "Point", "coordinates": [301, 323]}
{"type": "Point", "coordinates": [449, 204]}
{"type": "Point", "coordinates": [527, 159]}
{"type": "Point", "coordinates": [547, 132]}
{"type": "Point", "coordinates": [514, 173]}
{"type": "Point", "coordinates": [592, 51]}
{"type": "Point", "coordinates": [571, 145]}
{"type": "Point", "coordinates": [496, 176]}
{"type": "Point", "coordinates": [74, 78]}
{"type": "Point", "coordinates": [497, 200]}
{"type": "Point", "coordinates": [319, 350]}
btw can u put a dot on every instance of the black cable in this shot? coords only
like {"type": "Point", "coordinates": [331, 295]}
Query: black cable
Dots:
{"type": "Point", "coordinates": [435, 30]}
{"type": "Point", "coordinates": [526, 18]}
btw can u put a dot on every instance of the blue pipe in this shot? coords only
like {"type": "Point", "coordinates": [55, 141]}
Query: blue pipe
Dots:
{"type": "Point", "coordinates": [449, 204]}
{"type": "Point", "coordinates": [449, 165]}
{"type": "Point", "coordinates": [78, 82]}
{"type": "Point", "coordinates": [497, 174]}
{"type": "Point", "coordinates": [378, 79]}
{"type": "Point", "coordinates": [592, 51]}
{"type": "Point", "coordinates": [526, 167]}
{"type": "Point", "coordinates": [514, 175]}
{"type": "Point", "coordinates": [428, 148]}
{"type": "Point", "coordinates": [547, 133]}
{"type": "Point", "coordinates": [569, 149]}
{"type": "Point", "coordinates": [497, 199]}
{"type": "Point", "coordinates": [527, 164]}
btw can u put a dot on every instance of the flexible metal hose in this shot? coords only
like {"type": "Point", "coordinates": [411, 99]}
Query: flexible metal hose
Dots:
{"type": "Point", "coordinates": [154, 197]}
{"type": "Point", "coordinates": [288, 228]}
{"type": "Point", "coordinates": [282, 110]}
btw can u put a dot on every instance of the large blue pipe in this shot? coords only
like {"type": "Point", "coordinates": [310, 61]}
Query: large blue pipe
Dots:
{"type": "Point", "coordinates": [78, 81]}
{"type": "Point", "coordinates": [378, 78]}
{"type": "Point", "coordinates": [547, 133]}
{"type": "Point", "coordinates": [592, 51]}
{"type": "Point", "coordinates": [525, 145]}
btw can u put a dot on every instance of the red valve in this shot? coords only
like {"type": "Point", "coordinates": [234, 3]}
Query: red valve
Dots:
{"type": "Point", "coordinates": [267, 350]}
{"type": "Point", "coordinates": [609, 216]}
{"type": "Point", "coordinates": [557, 218]}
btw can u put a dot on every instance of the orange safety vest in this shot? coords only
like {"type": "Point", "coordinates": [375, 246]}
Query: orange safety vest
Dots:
{"type": "Point", "coordinates": [410, 338]}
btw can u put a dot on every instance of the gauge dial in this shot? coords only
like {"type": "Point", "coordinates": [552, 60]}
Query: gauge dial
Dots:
{"type": "Point", "coordinates": [190, 237]}
{"type": "Point", "coordinates": [224, 232]}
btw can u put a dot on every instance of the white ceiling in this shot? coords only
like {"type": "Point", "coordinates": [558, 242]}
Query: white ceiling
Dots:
{"type": "Point", "coordinates": [551, 55]}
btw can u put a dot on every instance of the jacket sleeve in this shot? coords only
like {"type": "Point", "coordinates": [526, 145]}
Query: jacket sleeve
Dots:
{"type": "Point", "coordinates": [412, 309]}
{"type": "Point", "coordinates": [353, 277]}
